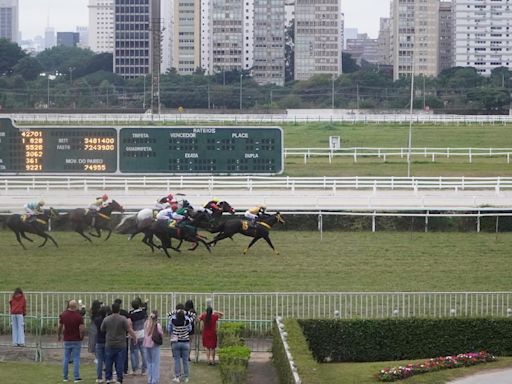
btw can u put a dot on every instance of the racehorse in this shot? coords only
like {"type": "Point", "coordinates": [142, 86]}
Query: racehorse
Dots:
{"type": "Point", "coordinates": [203, 219]}
{"type": "Point", "coordinates": [81, 218]}
{"type": "Point", "coordinates": [37, 226]}
{"type": "Point", "coordinates": [164, 233]}
{"type": "Point", "coordinates": [258, 230]}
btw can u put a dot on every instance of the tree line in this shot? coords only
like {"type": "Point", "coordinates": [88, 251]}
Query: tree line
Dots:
{"type": "Point", "coordinates": [75, 78]}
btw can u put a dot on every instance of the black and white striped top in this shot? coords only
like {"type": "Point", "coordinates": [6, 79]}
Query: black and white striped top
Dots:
{"type": "Point", "coordinates": [179, 329]}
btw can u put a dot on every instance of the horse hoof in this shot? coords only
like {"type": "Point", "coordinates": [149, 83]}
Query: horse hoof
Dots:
{"type": "Point", "coordinates": [277, 253]}
{"type": "Point", "coordinates": [245, 251]}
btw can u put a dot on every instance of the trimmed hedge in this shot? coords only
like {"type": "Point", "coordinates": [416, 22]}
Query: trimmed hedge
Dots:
{"type": "Point", "coordinates": [405, 339]}
{"type": "Point", "coordinates": [280, 359]}
{"type": "Point", "coordinates": [233, 354]}
{"type": "Point", "coordinates": [230, 334]}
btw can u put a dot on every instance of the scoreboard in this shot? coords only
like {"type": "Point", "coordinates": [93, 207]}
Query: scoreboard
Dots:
{"type": "Point", "coordinates": [132, 150]}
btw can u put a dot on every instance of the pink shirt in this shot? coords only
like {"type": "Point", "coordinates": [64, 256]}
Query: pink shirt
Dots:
{"type": "Point", "coordinates": [148, 342]}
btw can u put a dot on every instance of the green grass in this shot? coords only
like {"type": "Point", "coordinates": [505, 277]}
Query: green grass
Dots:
{"type": "Point", "coordinates": [343, 261]}
{"type": "Point", "coordinates": [50, 373]}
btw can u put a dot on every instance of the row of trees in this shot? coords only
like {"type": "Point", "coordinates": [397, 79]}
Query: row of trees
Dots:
{"type": "Point", "coordinates": [75, 78]}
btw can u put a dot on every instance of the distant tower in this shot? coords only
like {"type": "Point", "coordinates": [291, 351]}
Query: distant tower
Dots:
{"type": "Point", "coordinates": [101, 26]}
{"type": "Point", "coordinates": [9, 20]}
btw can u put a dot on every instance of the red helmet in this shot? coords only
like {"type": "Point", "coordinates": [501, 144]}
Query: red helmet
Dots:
{"type": "Point", "coordinates": [170, 197]}
{"type": "Point", "coordinates": [104, 197]}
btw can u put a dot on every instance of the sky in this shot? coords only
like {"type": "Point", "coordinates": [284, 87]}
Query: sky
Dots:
{"type": "Point", "coordinates": [65, 15]}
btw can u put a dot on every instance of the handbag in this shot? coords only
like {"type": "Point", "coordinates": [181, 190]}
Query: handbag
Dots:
{"type": "Point", "coordinates": [157, 337]}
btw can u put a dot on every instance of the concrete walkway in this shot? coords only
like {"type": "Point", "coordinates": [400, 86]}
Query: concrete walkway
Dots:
{"type": "Point", "coordinates": [502, 376]}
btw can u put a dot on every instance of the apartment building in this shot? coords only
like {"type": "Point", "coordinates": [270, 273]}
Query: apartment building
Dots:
{"type": "Point", "coordinates": [186, 32]}
{"type": "Point", "coordinates": [9, 20]}
{"type": "Point", "coordinates": [446, 54]}
{"type": "Point", "coordinates": [318, 40]}
{"type": "Point", "coordinates": [415, 37]}
{"type": "Point", "coordinates": [101, 26]}
{"type": "Point", "coordinates": [384, 41]}
{"type": "Point", "coordinates": [483, 30]}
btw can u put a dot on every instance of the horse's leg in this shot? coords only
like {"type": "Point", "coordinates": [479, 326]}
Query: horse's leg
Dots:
{"type": "Point", "coordinates": [219, 237]}
{"type": "Point", "coordinates": [205, 244]}
{"type": "Point", "coordinates": [269, 242]}
{"type": "Point", "coordinates": [80, 231]}
{"type": "Point", "coordinates": [108, 235]}
{"type": "Point", "coordinates": [19, 238]}
{"type": "Point", "coordinates": [255, 239]}
{"type": "Point", "coordinates": [146, 241]}
{"type": "Point", "coordinates": [165, 244]}
{"type": "Point", "coordinates": [53, 240]}
{"type": "Point", "coordinates": [22, 233]}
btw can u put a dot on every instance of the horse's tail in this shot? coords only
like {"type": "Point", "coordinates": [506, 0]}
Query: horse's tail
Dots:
{"type": "Point", "coordinates": [218, 228]}
{"type": "Point", "coordinates": [127, 226]}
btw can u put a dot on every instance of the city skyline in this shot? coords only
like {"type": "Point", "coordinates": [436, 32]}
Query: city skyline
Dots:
{"type": "Point", "coordinates": [34, 15]}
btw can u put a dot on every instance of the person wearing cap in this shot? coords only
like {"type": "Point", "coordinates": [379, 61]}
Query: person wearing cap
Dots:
{"type": "Point", "coordinates": [254, 213]}
{"type": "Point", "coordinates": [172, 213]}
{"type": "Point", "coordinates": [32, 209]}
{"type": "Point", "coordinates": [212, 206]}
{"type": "Point", "coordinates": [96, 205]}
{"type": "Point", "coordinates": [163, 202]}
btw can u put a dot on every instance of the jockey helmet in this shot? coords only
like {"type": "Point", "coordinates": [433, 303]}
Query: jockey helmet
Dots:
{"type": "Point", "coordinates": [263, 206]}
{"type": "Point", "coordinates": [215, 200]}
{"type": "Point", "coordinates": [40, 203]}
{"type": "Point", "coordinates": [104, 197]}
{"type": "Point", "coordinates": [170, 197]}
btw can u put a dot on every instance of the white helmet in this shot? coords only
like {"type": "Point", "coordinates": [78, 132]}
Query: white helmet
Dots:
{"type": "Point", "coordinates": [40, 203]}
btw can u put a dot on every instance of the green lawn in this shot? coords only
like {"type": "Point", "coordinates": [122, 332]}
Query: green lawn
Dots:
{"type": "Point", "coordinates": [342, 261]}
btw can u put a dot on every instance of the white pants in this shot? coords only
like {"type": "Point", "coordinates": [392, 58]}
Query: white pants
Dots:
{"type": "Point", "coordinates": [250, 216]}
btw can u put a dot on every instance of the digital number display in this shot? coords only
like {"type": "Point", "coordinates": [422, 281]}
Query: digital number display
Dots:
{"type": "Point", "coordinates": [57, 149]}
{"type": "Point", "coordinates": [207, 150]}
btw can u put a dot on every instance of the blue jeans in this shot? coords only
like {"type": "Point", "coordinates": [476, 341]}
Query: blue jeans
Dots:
{"type": "Point", "coordinates": [180, 352]}
{"type": "Point", "coordinates": [114, 356]}
{"type": "Point", "coordinates": [71, 352]}
{"type": "Point", "coordinates": [153, 361]}
{"type": "Point", "coordinates": [18, 329]}
{"type": "Point", "coordinates": [136, 350]}
{"type": "Point", "coordinates": [100, 357]}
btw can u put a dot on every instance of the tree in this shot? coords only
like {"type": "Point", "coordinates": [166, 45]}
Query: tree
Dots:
{"type": "Point", "coordinates": [348, 64]}
{"type": "Point", "coordinates": [491, 98]}
{"type": "Point", "coordinates": [61, 58]}
{"type": "Point", "coordinates": [28, 67]}
{"type": "Point", "coordinates": [10, 54]}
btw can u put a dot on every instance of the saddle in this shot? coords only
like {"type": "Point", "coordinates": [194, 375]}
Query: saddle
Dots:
{"type": "Point", "coordinates": [23, 218]}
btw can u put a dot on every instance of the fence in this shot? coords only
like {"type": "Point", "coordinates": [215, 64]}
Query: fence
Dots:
{"type": "Point", "coordinates": [250, 183]}
{"type": "Point", "coordinates": [337, 116]}
{"type": "Point", "coordinates": [384, 153]}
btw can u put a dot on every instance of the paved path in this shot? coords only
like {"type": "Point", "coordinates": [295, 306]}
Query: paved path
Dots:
{"type": "Point", "coordinates": [502, 376]}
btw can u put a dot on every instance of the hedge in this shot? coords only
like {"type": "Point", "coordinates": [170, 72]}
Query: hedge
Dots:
{"type": "Point", "coordinates": [230, 334]}
{"type": "Point", "coordinates": [233, 354]}
{"type": "Point", "coordinates": [405, 339]}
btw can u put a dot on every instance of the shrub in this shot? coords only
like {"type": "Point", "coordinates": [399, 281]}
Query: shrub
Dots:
{"type": "Point", "coordinates": [230, 334]}
{"type": "Point", "coordinates": [234, 361]}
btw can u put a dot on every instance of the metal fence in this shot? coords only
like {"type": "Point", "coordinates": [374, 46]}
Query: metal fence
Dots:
{"type": "Point", "coordinates": [339, 116]}
{"type": "Point", "coordinates": [258, 310]}
{"type": "Point", "coordinates": [250, 183]}
{"type": "Point", "coordinates": [384, 153]}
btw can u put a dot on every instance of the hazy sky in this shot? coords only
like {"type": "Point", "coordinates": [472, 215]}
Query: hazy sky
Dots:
{"type": "Point", "coordinates": [65, 15]}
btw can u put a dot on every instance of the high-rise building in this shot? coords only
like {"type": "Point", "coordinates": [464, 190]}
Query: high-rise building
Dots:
{"type": "Point", "coordinates": [68, 39]}
{"type": "Point", "coordinates": [101, 26]}
{"type": "Point", "coordinates": [49, 37]}
{"type": "Point", "coordinates": [318, 44]}
{"type": "Point", "coordinates": [363, 49]}
{"type": "Point", "coordinates": [349, 33]}
{"type": "Point", "coordinates": [134, 29]}
{"type": "Point", "coordinates": [446, 56]}
{"type": "Point", "coordinates": [384, 40]}
{"type": "Point", "coordinates": [415, 37]}
{"type": "Point", "coordinates": [206, 36]}
{"type": "Point", "coordinates": [186, 30]}
{"type": "Point", "coordinates": [483, 34]}
{"type": "Point", "coordinates": [269, 40]}
{"type": "Point", "coordinates": [83, 31]}
{"type": "Point", "coordinates": [9, 20]}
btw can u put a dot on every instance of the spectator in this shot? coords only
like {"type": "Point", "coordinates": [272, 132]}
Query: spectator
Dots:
{"type": "Point", "coordinates": [124, 312]}
{"type": "Point", "coordinates": [100, 342]}
{"type": "Point", "coordinates": [152, 350]}
{"type": "Point", "coordinates": [209, 319]}
{"type": "Point", "coordinates": [71, 324]}
{"type": "Point", "coordinates": [115, 327]}
{"type": "Point", "coordinates": [18, 309]}
{"type": "Point", "coordinates": [138, 316]}
{"type": "Point", "coordinates": [93, 312]}
{"type": "Point", "coordinates": [179, 328]}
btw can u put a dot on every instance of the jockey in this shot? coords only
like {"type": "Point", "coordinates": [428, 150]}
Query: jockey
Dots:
{"type": "Point", "coordinates": [163, 202]}
{"type": "Point", "coordinates": [253, 214]}
{"type": "Point", "coordinates": [32, 209]}
{"type": "Point", "coordinates": [96, 205]}
{"type": "Point", "coordinates": [172, 213]}
{"type": "Point", "coordinates": [212, 206]}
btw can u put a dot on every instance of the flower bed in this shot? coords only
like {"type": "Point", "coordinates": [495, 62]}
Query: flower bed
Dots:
{"type": "Point", "coordinates": [448, 362]}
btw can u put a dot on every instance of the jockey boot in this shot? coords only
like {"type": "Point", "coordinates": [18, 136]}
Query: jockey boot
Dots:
{"type": "Point", "coordinates": [93, 221]}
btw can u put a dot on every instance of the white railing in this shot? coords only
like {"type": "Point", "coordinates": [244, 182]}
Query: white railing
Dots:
{"type": "Point", "coordinates": [266, 306]}
{"type": "Point", "coordinates": [384, 153]}
{"type": "Point", "coordinates": [291, 117]}
{"type": "Point", "coordinates": [250, 183]}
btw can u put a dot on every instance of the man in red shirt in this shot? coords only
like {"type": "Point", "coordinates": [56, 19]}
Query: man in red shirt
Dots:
{"type": "Point", "coordinates": [71, 323]}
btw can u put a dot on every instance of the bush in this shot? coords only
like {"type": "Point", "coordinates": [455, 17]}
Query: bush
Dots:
{"type": "Point", "coordinates": [234, 361]}
{"type": "Point", "coordinates": [230, 334]}
{"type": "Point", "coordinates": [404, 339]}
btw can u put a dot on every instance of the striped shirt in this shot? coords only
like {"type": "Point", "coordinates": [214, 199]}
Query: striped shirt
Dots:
{"type": "Point", "coordinates": [179, 329]}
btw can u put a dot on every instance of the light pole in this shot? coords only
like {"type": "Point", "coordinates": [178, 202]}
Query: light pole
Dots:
{"type": "Point", "coordinates": [410, 116]}
{"type": "Point", "coordinates": [241, 91]}
{"type": "Point", "coordinates": [71, 69]}
{"type": "Point", "coordinates": [332, 91]}
{"type": "Point", "coordinates": [144, 94]}
{"type": "Point", "coordinates": [48, 78]}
